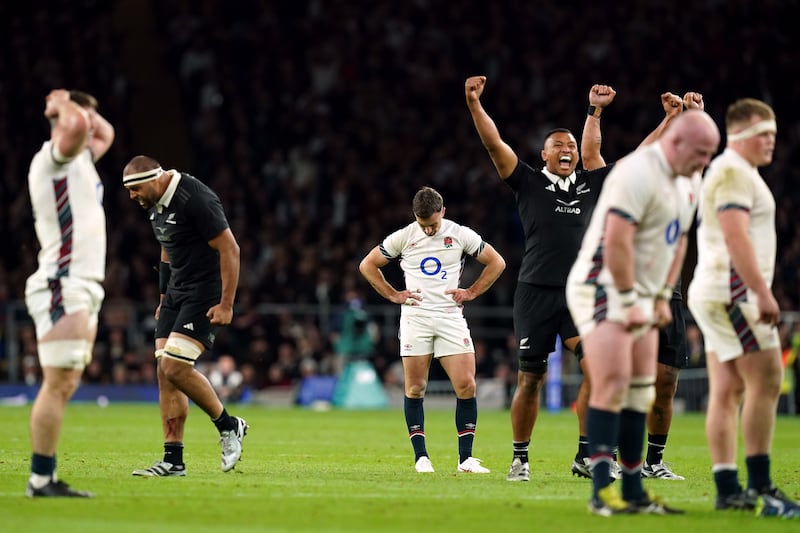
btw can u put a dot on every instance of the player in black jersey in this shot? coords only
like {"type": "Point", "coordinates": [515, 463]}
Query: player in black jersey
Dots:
{"type": "Point", "coordinates": [673, 355]}
{"type": "Point", "coordinates": [198, 277]}
{"type": "Point", "coordinates": [555, 204]}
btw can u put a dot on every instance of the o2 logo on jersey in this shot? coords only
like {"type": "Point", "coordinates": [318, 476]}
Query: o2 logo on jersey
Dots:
{"type": "Point", "coordinates": [673, 231]}
{"type": "Point", "coordinates": [431, 266]}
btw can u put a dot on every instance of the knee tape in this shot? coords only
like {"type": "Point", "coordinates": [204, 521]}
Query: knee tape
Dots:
{"type": "Point", "coordinates": [534, 364]}
{"type": "Point", "coordinates": [641, 394]}
{"type": "Point", "coordinates": [74, 354]}
{"type": "Point", "coordinates": [181, 349]}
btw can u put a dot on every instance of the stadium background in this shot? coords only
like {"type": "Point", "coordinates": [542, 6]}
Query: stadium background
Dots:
{"type": "Point", "coordinates": [315, 121]}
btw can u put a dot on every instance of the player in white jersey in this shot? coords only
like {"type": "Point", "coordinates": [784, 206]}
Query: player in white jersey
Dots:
{"type": "Point", "coordinates": [731, 299]}
{"type": "Point", "coordinates": [64, 295]}
{"type": "Point", "coordinates": [619, 289]}
{"type": "Point", "coordinates": [431, 252]}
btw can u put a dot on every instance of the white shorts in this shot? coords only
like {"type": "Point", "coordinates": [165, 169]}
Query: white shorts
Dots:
{"type": "Point", "coordinates": [47, 302]}
{"type": "Point", "coordinates": [731, 330]}
{"type": "Point", "coordinates": [437, 335]}
{"type": "Point", "coordinates": [591, 304]}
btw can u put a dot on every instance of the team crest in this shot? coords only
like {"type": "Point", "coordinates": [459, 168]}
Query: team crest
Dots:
{"type": "Point", "coordinates": [466, 341]}
{"type": "Point", "coordinates": [448, 242]}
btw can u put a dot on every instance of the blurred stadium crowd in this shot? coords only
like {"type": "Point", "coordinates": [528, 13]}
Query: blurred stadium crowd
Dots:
{"type": "Point", "coordinates": [315, 121]}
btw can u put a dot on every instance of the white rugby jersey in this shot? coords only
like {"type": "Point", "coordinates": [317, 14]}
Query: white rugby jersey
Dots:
{"type": "Point", "coordinates": [432, 264]}
{"type": "Point", "coordinates": [640, 188]}
{"type": "Point", "coordinates": [69, 218]}
{"type": "Point", "coordinates": [732, 183]}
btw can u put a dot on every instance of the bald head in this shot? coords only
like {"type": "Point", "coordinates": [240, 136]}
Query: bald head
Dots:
{"type": "Point", "coordinates": [690, 142]}
{"type": "Point", "coordinates": [140, 163]}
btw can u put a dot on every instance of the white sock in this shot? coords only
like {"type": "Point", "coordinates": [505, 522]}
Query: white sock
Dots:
{"type": "Point", "coordinates": [38, 481]}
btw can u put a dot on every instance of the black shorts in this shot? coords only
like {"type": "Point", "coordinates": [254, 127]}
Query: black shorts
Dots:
{"type": "Point", "coordinates": [185, 313]}
{"type": "Point", "coordinates": [540, 314]}
{"type": "Point", "coordinates": [673, 349]}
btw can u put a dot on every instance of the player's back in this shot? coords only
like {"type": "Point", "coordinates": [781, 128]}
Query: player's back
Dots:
{"type": "Point", "coordinates": [69, 218]}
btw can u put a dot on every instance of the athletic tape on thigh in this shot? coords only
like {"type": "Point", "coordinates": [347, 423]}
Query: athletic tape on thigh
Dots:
{"type": "Point", "coordinates": [64, 354]}
{"type": "Point", "coordinates": [641, 394]}
{"type": "Point", "coordinates": [182, 350]}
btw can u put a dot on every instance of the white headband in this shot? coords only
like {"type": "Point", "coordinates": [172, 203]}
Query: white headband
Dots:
{"type": "Point", "coordinates": [141, 177]}
{"type": "Point", "coordinates": [758, 128]}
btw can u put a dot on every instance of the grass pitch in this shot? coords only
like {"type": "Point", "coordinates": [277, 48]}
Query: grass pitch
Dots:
{"type": "Point", "coordinates": [306, 470]}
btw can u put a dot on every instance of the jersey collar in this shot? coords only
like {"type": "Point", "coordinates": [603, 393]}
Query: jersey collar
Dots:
{"type": "Point", "coordinates": [175, 178]}
{"type": "Point", "coordinates": [562, 183]}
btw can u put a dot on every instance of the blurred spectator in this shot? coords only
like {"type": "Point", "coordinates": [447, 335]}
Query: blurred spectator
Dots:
{"type": "Point", "coordinates": [227, 381]}
{"type": "Point", "coordinates": [284, 371]}
{"type": "Point", "coordinates": [294, 113]}
{"type": "Point", "coordinates": [357, 334]}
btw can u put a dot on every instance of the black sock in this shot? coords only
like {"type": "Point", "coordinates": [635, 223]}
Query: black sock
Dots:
{"type": "Point", "coordinates": [466, 422]}
{"type": "Point", "coordinates": [583, 447]}
{"type": "Point", "coordinates": [631, 442]}
{"type": "Point", "coordinates": [602, 428]}
{"type": "Point", "coordinates": [173, 453]}
{"type": "Point", "coordinates": [42, 465]}
{"type": "Point", "coordinates": [224, 422]}
{"type": "Point", "coordinates": [655, 448]}
{"type": "Point", "coordinates": [758, 473]}
{"type": "Point", "coordinates": [727, 482]}
{"type": "Point", "coordinates": [415, 421]}
{"type": "Point", "coordinates": [521, 450]}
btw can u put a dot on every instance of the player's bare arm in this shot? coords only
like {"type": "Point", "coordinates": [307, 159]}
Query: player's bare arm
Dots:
{"type": "Point", "coordinates": [618, 254]}
{"type": "Point", "coordinates": [228, 249]}
{"type": "Point", "coordinates": [370, 268]}
{"type": "Point", "coordinates": [503, 156]}
{"type": "Point", "coordinates": [600, 96]}
{"type": "Point", "coordinates": [672, 105]}
{"type": "Point", "coordinates": [693, 100]}
{"type": "Point", "coordinates": [662, 312]}
{"type": "Point", "coordinates": [71, 123]}
{"type": "Point", "coordinates": [734, 224]}
{"type": "Point", "coordinates": [102, 134]}
{"type": "Point", "coordinates": [494, 265]}
{"type": "Point", "coordinates": [164, 259]}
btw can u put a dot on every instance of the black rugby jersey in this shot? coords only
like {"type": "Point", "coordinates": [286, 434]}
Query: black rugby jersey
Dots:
{"type": "Point", "coordinates": [193, 217]}
{"type": "Point", "coordinates": [553, 220]}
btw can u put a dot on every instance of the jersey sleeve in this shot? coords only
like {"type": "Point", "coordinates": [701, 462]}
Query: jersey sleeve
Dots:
{"type": "Point", "coordinates": [392, 246]}
{"type": "Point", "coordinates": [518, 179]}
{"type": "Point", "coordinates": [628, 194]}
{"type": "Point", "coordinates": [472, 243]}
{"type": "Point", "coordinates": [730, 189]}
{"type": "Point", "coordinates": [50, 162]}
{"type": "Point", "coordinates": [205, 208]}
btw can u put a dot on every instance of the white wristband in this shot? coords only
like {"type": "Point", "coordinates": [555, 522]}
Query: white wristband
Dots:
{"type": "Point", "coordinates": [628, 297]}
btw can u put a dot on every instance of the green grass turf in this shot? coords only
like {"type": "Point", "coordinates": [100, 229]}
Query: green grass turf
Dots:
{"type": "Point", "coordinates": [305, 470]}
